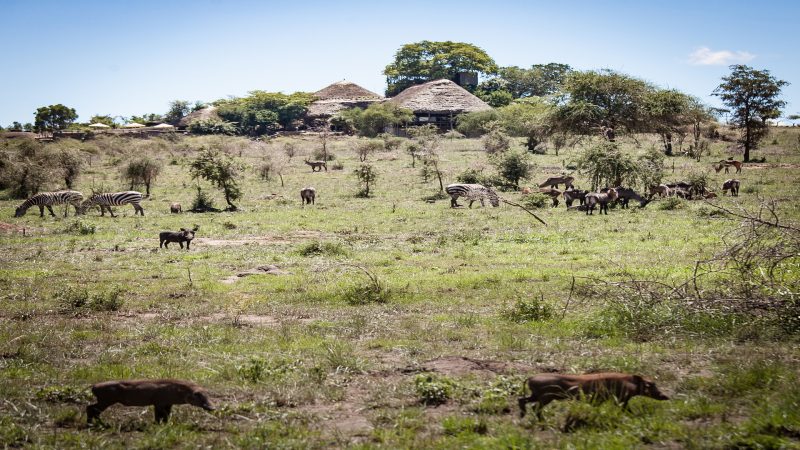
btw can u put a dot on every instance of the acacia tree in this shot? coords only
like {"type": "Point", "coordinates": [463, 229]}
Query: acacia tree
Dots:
{"type": "Point", "coordinates": [54, 118]}
{"type": "Point", "coordinates": [143, 171]}
{"type": "Point", "coordinates": [601, 100]}
{"type": "Point", "coordinates": [221, 170]}
{"type": "Point", "coordinates": [752, 96]}
{"type": "Point", "coordinates": [177, 110]}
{"type": "Point", "coordinates": [427, 140]}
{"type": "Point", "coordinates": [367, 175]}
{"type": "Point", "coordinates": [529, 118]}
{"type": "Point", "coordinates": [667, 113]}
{"type": "Point", "coordinates": [424, 61]}
{"type": "Point", "coordinates": [70, 165]}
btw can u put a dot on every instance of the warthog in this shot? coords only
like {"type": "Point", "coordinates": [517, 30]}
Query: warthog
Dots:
{"type": "Point", "coordinates": [162, 394]}
{"type": "Point", "coordinates": [600, 198]}
{"type": "Point", "coordinates": [598, 387]}
{"type": "Point", "coordinates": [175, 208]}
{"type": "Point", "coordinates": [307, 195]}
{"type": "Point", "coordinates": [165, 237]}
{"type": "Point", "coordinates": [731, 185]}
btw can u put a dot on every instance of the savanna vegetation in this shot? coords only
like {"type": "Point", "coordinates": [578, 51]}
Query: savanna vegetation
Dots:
{"type": "Point", "coordinates": [381, 317]}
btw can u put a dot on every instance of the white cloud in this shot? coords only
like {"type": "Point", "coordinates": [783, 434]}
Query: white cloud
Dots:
{"type": "Point", "coordinates": [704, 56]}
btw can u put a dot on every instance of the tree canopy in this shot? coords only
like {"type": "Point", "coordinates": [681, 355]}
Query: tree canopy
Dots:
{"type": "Point", "coordinates": [753, 98]}
{"type": "Point", "coordinates": [373, 120]}
{"type": "Point", "coordinates": [424, 61]}
{"type": "Point", "coordinates": [264, 112]}
{"type": "Point", "coordinates": [54, 118]}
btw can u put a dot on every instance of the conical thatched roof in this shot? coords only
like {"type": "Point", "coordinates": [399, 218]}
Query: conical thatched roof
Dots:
{"type": "Point", "coordinates": [345, 90]}
{"type": "Point", "coordinates": [439, 97]}
{"type": "Point", "coordinates": [207, 113]}
{"type": "Point", "coordinates": [341, 95]}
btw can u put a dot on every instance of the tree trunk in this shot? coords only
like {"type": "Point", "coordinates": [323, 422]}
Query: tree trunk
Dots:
{"type": "Point", "coordinates": [147, 189]}
{"type": "Point", "coordinates": [667, 138]}
{"type": "Point", "coordinates": [439, 175]}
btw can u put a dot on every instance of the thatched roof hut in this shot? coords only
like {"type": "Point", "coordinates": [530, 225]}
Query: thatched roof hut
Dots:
{"type": "Point", "coordinates": [439, 97]}
{"type": "Point", "coordinates": [207, 113]}
{"type": "Point", "coordinates": [438, 102]}
{"type": "Point", "coordinates": [339, 96]}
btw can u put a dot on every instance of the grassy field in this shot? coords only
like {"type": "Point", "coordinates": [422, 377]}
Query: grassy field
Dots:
{"type": "Point", "coordinates": [467, 303]}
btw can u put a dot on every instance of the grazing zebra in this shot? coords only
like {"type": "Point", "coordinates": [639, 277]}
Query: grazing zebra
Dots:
{"type": "Point", "coordinates": [107, 200]}
{"type": "Point", "coordinates": [50, 199]}
{"type": "Point", "coordinates": [471, 192]}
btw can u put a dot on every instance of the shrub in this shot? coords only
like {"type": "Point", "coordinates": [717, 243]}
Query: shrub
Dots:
{"type": "Point", "coordinates": [202, 201]}
{"type": "Point", "coordinates": [367, 175]}
{"type": "Point", "coordinates": [536, 200]}
{"type": "Point", "coordinates": [606, 165]}
{"type": "Point", "coordinates": [366, 292]}
{"type": "Point", "coordinates": [80, 227]}
{"type": "Point", "coordinates": [319, 154]}
{"type": "Point", "coordinates": [142, 171]}
{"type": "Point", "coordinates": [317, 248]}
{"type": "Point", "coordinates": [211, 126]}
{"type": "Point", "coordinates": [496, 141]}
{"type": "Point", "coordinates": [391, 142]}
{"type": "Point", "coordinates": [531, 310]}
{"type": "Point", "coordinates": [513, 167]}
{"type": "Point", "coordinates": [78, 300]}
{"type": "Point", "coordinates": [670, 204]}
{"type": "Point", "coordinates": [365, 148]}
{"type": "Point", "coordinates": [475, 124]}
{"type": "Point", "coordinates": [433, 389]}
{"type": "Point", "coordinates": [453, 134]}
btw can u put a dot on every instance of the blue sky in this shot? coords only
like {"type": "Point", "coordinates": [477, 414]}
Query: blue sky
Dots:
{"type": "Point", "coordinates": [125, 57]}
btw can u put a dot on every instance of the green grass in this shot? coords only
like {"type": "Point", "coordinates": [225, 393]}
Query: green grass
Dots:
{"type": "Point", "coordinates": [430, 353]}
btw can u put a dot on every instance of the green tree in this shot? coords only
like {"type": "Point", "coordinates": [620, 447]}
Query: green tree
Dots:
{"type": "Point", "coordinates": [753, 98]}
{"type": "Point", "coordinates": [264, 112]}
{"type": "Point", "coordinates": [667, 112]}
{"type": "Point", "coordinates": [221, 170]}
{"type": "Point", "coordinates": [599, 100]}
{"type": "Point", "coordinates": [528, 118]}
{"type": "Point", "coordinates": [142, 171]}
{"type": "Point", "coordinates": [424, 61]}
{"type": "Point", "coordinates": [607, 166]}
{"type": "Point", "coordinates": [105, 120]}
{"type": "Point", "coordinates": [513, 166]}
{"type": "Point", "coordinates": [177, 109]}
{"type": "Point", "coordinates": [54, 118]}
{"type": "Point", "coordinates": [28, 127]}
{"type": "Point", "coordinates": [69, 164]}
{"type": "Point", "coordinates": [476, 124]}
{"type": "Point", "coordinates": [367, 175]}
{"type": "Point", "coordinates": [15, 126]}
{"type": "Point", "coordinates": [538, 81]}
{"type": "Point", "coordinates": [373, 120]}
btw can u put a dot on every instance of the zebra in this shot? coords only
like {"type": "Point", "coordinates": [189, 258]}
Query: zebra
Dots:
{"type": "Point", "coordinates": [107, 200]}
{"type": "Point", "coordinates": [471, 192]}
{"type": "Point", "coordinates": [50, 199]}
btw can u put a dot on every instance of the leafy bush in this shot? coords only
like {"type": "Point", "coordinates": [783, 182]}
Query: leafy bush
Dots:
{"type": "Point", "coordinates": [513, 166]}
{"type": "Point", "coordinates": [373, 120]}
{"type": "Point", "coordinates": [475, 124]}
{"type": "Point", "coordinates": [391, 142]}
{"type": "Point", "coordinates": [536, 200]}
{"type": "Point", "coordinates": [80, 227]}
{"type": "Point", "coordinates": [212, 126]}
{"type": "Point", "coordinates": [433, 389]}
{"type": "Point", "coordinates": [606, 165]}
{"type": "Point", "coordinates": [258, 369]}
{"type": "Point", "coordinates": [142, 171]}
{"type": "Point", "coordinates": [531, 310]}
{"type": "Point", "coordinates": [671, 203]}
{"type": "Point", "coordinates": [202, 201]}
{"type": "Point", "coordinates": [367, 175]}
{"type": "Point", "coordinates": [496, 141]}
{"type": "Point", "coordinates": [318, 155]}
{"type": "Point", "coordinates": [317, 248]}
{"type": "Point", "coordinates": [77, 301]}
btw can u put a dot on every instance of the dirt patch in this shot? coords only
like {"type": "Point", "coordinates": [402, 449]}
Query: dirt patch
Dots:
{"type": "Point", "coordinates": [268, 269]}
{"type": "Point", "coordinates": [288, 238]}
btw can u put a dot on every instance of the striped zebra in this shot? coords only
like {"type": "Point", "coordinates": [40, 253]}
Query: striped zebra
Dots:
{"type": "Point", "coordinates": [50, 199]}
{"type": "Point", "coordinates": [107, 200]}
{"type": "Point", "coordinates": [471, 192]}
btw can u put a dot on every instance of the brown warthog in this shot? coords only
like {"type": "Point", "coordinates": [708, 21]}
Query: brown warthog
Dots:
{"type": "Point", "coordinates": [162, 394]}
{"type": "Point", "coordinates": [165, 237]}
{"type": "Point", "coordinates": [596, 386]}
{"type": "Point", "coordinates": [175, 208]}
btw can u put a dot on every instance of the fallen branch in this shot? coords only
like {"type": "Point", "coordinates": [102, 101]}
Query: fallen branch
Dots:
{"type": "Point", "coordinates": [756, 219]}
{"type": "Point", "coordinates": [524, 209]}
